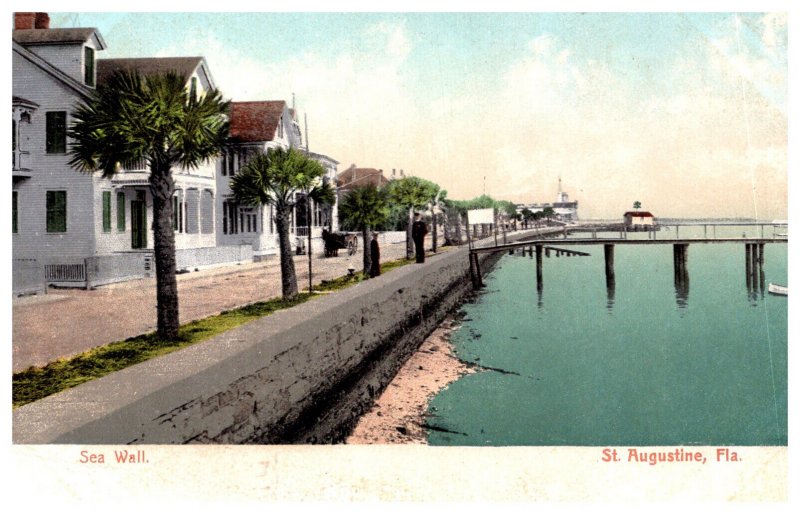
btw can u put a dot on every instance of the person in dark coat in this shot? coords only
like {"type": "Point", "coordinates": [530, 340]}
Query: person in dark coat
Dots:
{"type": "Point", "coordinates": [418, 231]}
{"type": "Point", "coordinates": [374, 256]}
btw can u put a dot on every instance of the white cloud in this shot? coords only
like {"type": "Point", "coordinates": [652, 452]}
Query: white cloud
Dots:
{"type": "Point", "coordinates": [548, 114]}
{"type": "Point", "coordinates": [684, 152]}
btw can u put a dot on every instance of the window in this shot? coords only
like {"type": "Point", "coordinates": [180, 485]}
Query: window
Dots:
{"type": "Point", "coordinates": [56, 132]}
{"type": "Point", "coordinates": [224, 217]}
{"type": "Point", "coordinates": [178, 207]}
{"type": "Point", "coordinates": [14, 211]}
{"type": "Point", "coordinates": [106, 211]}
{"type": "Point", "coordinates": [230, 218]}
{"type": "Point", "coordinates": [88, 66]}
{"type": "Point", "coordinates": [56, 211]}
{"type": "Point", "coordinates": [193, 88]}
{"type": "Point", "coordinates": [120, 211]}
{"type": "Point", "coordinates": [224, 163]}
{"type": "Point", "coordinates": [230, 162]}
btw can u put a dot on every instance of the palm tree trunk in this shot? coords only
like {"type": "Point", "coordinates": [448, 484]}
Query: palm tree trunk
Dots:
{"type": "Point", "coordinates": [409, 242]}
{"type": "Point", "coordinates": [433, 237]}
{"type": "Point", "coordinates": [367, 255]}
{"type": "Point", "coordinates": [161, 188]}
{"type": "Point", "coordinates": [288, 277]}
{"type": "Point", "coordinates": [308, 219]}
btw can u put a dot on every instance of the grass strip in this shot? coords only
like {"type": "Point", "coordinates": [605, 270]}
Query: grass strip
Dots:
{"type": "Point", "coordinates": [38, 382]}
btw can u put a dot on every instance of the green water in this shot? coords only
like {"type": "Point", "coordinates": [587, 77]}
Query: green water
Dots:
{"type": "Point", "coordinates": [649, 364]}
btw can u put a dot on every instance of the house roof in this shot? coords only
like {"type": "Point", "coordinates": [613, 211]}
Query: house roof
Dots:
{"type": "Point", "coordinates": [255, 121]}
{"type": "Point", "coordinates": [183, 66]}
{"type": "Point", "coordinates": [48, 68]}
{"type": "Point", "coordinates": [639, 214]}
{"type": "Point", "coordinates": [21, 101]}
{"type": "Point", "coordinates": [358, 177]}
{"type": "Point", "coordinates": [55, 36]}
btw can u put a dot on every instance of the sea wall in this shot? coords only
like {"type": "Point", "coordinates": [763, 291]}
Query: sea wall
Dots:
{"type": "Point", "coordinates": [301, 375]}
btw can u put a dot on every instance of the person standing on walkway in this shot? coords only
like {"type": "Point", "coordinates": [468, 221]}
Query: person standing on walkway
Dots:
{"type": "Point", "coordinates": [418, 231]}
{"type": "Point", "coordinates": [374, 256]}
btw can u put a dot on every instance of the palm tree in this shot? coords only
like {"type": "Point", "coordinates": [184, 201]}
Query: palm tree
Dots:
{"type": "Point", "coordinates": [548, 213]}
{"type": "Point", "coordinates": [364, 208]}
{"type": "Point", "coordinates": [154, 118]}
{"type": "Point", "coordinates": [275, 178]}
{"type": "Point", "coordinates": [637, 205]}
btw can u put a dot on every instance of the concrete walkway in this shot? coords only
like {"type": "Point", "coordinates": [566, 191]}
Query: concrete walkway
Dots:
{"type": "Point", "coordinates": [66, 322]}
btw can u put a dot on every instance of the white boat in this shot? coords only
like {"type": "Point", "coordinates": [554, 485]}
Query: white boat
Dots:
{"type": "Point", "coordinates": [777, 289]}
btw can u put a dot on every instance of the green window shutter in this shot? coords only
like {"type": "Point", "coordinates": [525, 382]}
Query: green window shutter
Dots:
{"type": "Point", "coordinates": [120, 211]}
{"type": "Point", "coordinates": [88, 66]}
{"type": "Point", "coordinates": [56, 132]}
{"type": "Point", "coordinates": [56, 211]}
{"type": "Point", "coordinates": [106, 211]}
{"type": "Point", "coordinates": [175, 213]}
{"type": "Point", "coordinates": [14, 211]}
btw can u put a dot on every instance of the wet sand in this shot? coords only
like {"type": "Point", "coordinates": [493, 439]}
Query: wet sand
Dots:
{"type": "Point", "coordinates": [398, 415]}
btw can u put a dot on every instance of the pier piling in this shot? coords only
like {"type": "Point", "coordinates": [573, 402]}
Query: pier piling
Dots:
{"type": "Point", "coordinates": [539, 266]}
{"type": "Point", "coordinates": [609, 257]}
{"type": "Point", "coordinates": [748, 266]}
{"type": "Point", "coordinates": [680, 253]}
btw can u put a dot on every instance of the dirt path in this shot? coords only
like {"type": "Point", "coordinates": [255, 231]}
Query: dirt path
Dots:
{"type": "Point", "coordinates": [67, 322]}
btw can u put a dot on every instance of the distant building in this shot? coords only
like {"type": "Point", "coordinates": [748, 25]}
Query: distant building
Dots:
{"type": "Point", "coordinates": [635, 220]}
{"type": "Point", "coordinates": [563, 209]}
{"type": "Point", "coordinates": [353, 177]}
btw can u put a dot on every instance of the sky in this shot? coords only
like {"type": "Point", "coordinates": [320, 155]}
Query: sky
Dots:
{"type": "Point", "coordinates": [685, 112]}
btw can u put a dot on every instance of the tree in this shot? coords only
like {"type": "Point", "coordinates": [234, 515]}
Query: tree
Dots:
{"type": "Point", "coordinates": [527, 216]}
{"type": "Point", "coordinates": [155, 118]}
{"type": "Point", "coordinates": [637, 205]}
{"type": "Point", "coordinates": [435, 205]}
{"type": "Point", "coordinates": [411, 193]}
{"type": "Point", "coordinates": [364, 208]}
{"type": "Point", "coordinates": [507, 209]}
{"type": "Point", "coordinates": [548, 213]}
{"type": "Point", "coordinates": [276, 178]}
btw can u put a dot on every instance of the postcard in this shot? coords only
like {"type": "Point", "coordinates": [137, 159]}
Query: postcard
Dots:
{"type": "Point", "coordinates": [401, 256]}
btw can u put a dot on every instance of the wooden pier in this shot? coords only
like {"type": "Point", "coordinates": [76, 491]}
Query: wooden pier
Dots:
{"type": "Point", "coordinates": [754, 256]}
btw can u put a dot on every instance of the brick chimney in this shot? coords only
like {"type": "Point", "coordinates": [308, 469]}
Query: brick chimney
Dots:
{"type": "Point", "coordinates": [42, 21]}
{"type": "Point", "coordinates": [24, 20]}
{"type": "Point", "coordinates": [31, 21]}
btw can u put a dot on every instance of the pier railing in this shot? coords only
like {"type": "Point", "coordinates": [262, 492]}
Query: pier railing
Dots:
{"type": "Point", "coordinates": [754, 252]}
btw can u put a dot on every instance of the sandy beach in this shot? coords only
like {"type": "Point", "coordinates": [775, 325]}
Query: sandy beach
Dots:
{"type": "Point", "coordinates": [398, 415]}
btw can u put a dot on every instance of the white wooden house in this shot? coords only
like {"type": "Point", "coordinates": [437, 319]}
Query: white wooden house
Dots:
{"type": "Point", "coordinates": [53, 211]}
{"type": "Point", "coordinates": [193, 202]}
{"type": "Point", "coordinates": [79, 229]}
{"type": "Point", "coordinates": [256, 127]}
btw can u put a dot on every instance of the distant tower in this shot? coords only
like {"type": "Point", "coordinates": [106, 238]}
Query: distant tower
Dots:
{"type": "Point", "coordinates": [562, 196]}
